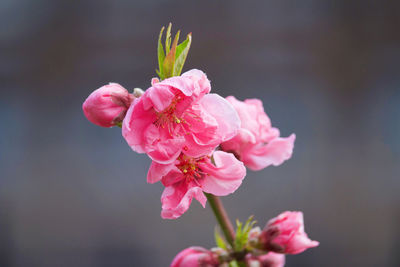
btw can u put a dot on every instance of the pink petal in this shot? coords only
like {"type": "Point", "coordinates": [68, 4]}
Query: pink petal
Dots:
{"type": "Point", "coordinates": [158, 171]}
{"type": "Point", "coordinates": [160, 146]}
{"type": "Point", "coordinates": [160, 96]}
{"type": "Point", "coordinates": [274, 153]}
{"type": "Point", "coordinates": [272, 259]}
{"type": "Point", "coordinates": [287, 218]}
{"type": "Point", "coordinates": [177, 198]}
{"type": "Point", "coordinates": [166, 151]}
{"type": "Point", "coordinates": [194, 257]}
{"type": "Point", "coordinates": [211, 121]}
{"type": "Point", "coordinates": [193, 149]}
{"type": "Point", "coordinates": [226, 116]}
{"type": "Point", "coordinates": [251, 114]}
{"type": "Point", "coordinates": [136, 121]}
{"type": "Point", "coordinates": [177, 261]}
{"type": "Point", "coordinates": [202, 128]}
{"type": "Point", "coordinates": [201, 124]}
{"type": "Point", "coordinates": [225, 176]}
{"type": "Point", "coordinates": [201, 79]}
{"type": "Point", "coordinates": [299, 243]}
{"type": "Point", "coordinates": [237, 144]}
{"type": "Point", "coordinates": [183, 84]}
{"type": "Point", "coordinates": [172, 177]}
{"type": "Point", "coordinates": [286, 233]}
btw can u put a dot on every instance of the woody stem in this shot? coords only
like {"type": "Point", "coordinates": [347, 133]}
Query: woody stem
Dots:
{"type": "Point", "coordinates": [222, 217]}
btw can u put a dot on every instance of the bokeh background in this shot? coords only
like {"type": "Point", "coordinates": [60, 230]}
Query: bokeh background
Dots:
{"type": "Point", "coordinates": [73, 194]}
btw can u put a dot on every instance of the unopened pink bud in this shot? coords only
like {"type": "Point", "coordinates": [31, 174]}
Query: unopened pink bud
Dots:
{"type": "Point", "coordinates": [107, 105]}
{"type": "Point", "coordinates": [270, 259]}
{"type": "Point", "coordinates": [195, 257]}
{"type": "Point", "coordinates": [285, 234]}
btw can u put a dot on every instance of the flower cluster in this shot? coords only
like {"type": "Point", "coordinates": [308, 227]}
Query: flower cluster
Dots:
{"type": "Point", "coordinates": [282, 235]}
{"type": "Point", "coordinates": [178, 124]}
{"type": "Point", "coordinates": [198, 142]}
{"type": "Point", "coordinates": [200, 145]}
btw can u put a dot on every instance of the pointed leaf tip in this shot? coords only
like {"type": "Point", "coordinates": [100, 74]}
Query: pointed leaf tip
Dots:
{"type": "Point", "coordinates": [181, 54]}
{"type": "Point", "coordinates": [168, 39]}
{"type": "Point", "coordinates": [219, 240]}
{"type": "Point", "coordinates": [161, 55]}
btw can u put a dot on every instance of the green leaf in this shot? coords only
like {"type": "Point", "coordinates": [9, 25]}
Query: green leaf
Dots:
{"type": "Point", "coordinates": [171, 58]}
{"type": "Point", "coordinates": [176, 39]}
{"type": "Point", "coordinates": [181, 54]}
{"type": "Point", "coordinates": [168, 39]}
{"type": "Point", "coordinates": [242, 233]}
{"type": "Point", "coordinates": [238, 236]}
{"type": "Point", "coordinates": [249, 224]}
{"type": "Point", "coordinates": [161, 55]}
{"type": "Point", "coordinates": [233, 264]}
{"type": "Point", "coordinates": [159, 74]}
{"type": "Point", "coordinates": [219, 240]}
{"type": "Point", "coordinates": [169, 61]}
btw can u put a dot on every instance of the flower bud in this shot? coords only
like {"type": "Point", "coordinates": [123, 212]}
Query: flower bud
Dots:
{"type": "Point", "coordinates": [253, 236]}
{"type": "Point", "coordinates": [107, 105]}
{"type": "Point", "coordinates": [195, 257]}
{"type": "Point", "coordinates": [137, 92]}
{"type": "Point", "coordinates": [285, 234]}
{"type": "Point", "coordinates": [270, 259]}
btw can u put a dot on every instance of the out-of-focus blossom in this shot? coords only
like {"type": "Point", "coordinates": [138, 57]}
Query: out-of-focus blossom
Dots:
{"type": "Point", "coordinates": [189, 177]}
{"type": "Point", "coordinates": [270, 259]}
{"type": "Point", "coordinates": [107, 105]}
{"type": "Point", "coordinates": [195, 257]}
{"type": "Point", "coordinates": [257, 144]}
{"type": "Point", "coordinates": [285, 234]}
{"type": "Point", "coordinates": [177, 114]}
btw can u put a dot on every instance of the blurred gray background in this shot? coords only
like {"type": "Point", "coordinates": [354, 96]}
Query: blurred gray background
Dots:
{"type": "Point", "coordinates": [74, 194]}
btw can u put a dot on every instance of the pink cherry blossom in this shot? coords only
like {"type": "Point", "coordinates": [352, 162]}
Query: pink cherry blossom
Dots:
{"type": "Point", "coordinates": [195, 257]}
{"type": "Point", "coordinates": [270, 259]}
{"type": "Point", "coordinates": [285, 234]}
{"type": "Point", "coordinates": [257, 143]}
{"type": "Point", "coordinates": [107, 105]}
{"type": "Point", "coordinates": [188, 178]}
{"type": "Point", "coordinates": [178, 114]}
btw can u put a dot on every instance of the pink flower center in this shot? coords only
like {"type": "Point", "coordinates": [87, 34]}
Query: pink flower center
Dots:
{"type": "Point", "coordinates": [190, 167]}
{"type": "Point", "coordinates": [168, 117]}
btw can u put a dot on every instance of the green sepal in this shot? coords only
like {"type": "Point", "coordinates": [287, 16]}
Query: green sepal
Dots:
{"type": "Point", "coordinates": [219, 240]}
{"type": "Point", "coordinates": [181, 53]}
{"type": "Point", "coordinates": [242, 233]}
